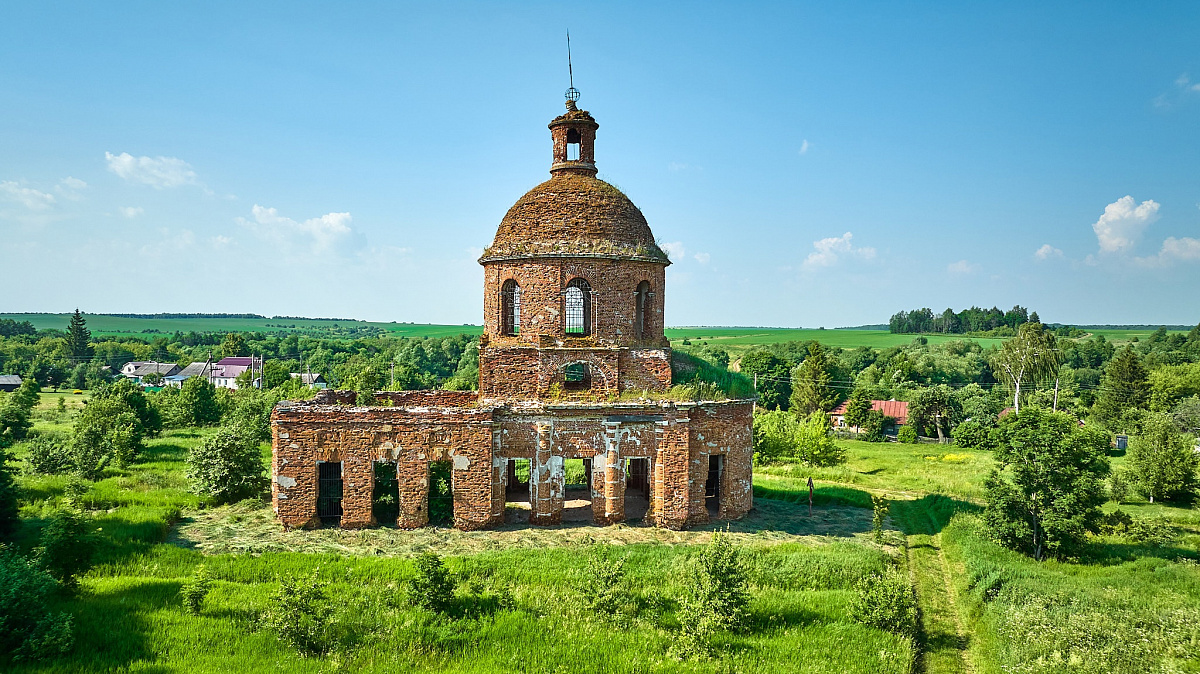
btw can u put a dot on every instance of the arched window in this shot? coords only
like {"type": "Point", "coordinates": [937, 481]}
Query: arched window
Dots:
{"type": "Point", "coordinates": [643, 310]}
{"type": "Point", "coordinates": [510, 308]}
{"type": "Point", "coordinates": [577, 377]}
{"type": "Point", "coordinates": [579, 308]}
{"type": "Point", "coordinates": [573, 142]}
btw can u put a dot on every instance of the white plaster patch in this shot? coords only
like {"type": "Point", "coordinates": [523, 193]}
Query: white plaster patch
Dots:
{"type": "Point", "coordinates": [285, 481]}
{"type": "Point", "coordinates": [462, 462]}
{"type": "Point", "coordinates": [284, 436]}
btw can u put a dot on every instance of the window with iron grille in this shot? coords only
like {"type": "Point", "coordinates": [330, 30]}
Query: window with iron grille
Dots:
{"type": "Point", "coordinates": [578, 308]}
{"type": "Point", "coordinates": [510, 308]}
{"type": "Point", "coordinates": [576, 377]}
{"type": "Point", "coordinates": [643, 309]}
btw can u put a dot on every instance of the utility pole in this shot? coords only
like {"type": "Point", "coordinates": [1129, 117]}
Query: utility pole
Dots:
{"type": "Point", "coordinates": [393, 385]}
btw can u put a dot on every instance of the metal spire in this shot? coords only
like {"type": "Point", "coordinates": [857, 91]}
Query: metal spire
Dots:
{"type": "Point", "coordinates": [572, 93]}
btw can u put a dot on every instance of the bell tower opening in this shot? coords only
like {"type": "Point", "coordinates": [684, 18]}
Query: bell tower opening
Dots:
{"type": "Point", "coordinates": [573, 141]}
{"type": "Point", "coordinates": [578, 308]}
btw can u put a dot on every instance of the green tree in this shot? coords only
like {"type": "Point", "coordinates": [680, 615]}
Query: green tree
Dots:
{"type": "Point", "coordinates": [1031, 356]}
{"type": "Point", "coordinates": [1186, 415]}
{"type": "Point", "coordinates": [934, 408]}
{"type": "Point", "coordinates": [814, 443]}
{"type": "Point", "coordinates": [1125, 388]}
{"type": "Point", "coordinates": [197, 403]}
{"type": "Point", "coordinates": [133, 396]}
{"type": "Point", "coordinates": [1161, 462]}
{"type": "Point", "coordinates": [857, 408]}
{"type": "Point", "coordinates": [774, 434]}
{"type": "Point", "coordinates": [274, 374]}
{"type": "Point", "coordinates": [226, 467]}
{"type": "Point", "coordinates": [79, 339]}
{"type": "Point", "coordinates": [9, 517]}
{"type": "Point", "coordinates": [1047, 488]}
{"type": "Point", "coordinates": [28, 630]}
{"type": "Point", "coordinates": [235, 345]}
{"type": "Point", "coordinates": [107, 431]}
{"type": "Point", "coordinates": [812, 389]}
{"type": "Point", "coordinates": [773, 382]}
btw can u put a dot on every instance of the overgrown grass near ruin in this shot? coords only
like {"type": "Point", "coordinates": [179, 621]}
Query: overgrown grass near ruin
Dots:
{"type": "Point", "coordinates": [154, 534]}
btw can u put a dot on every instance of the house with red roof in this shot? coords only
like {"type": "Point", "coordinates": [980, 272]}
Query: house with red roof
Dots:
{"type": "Point", "coordinates": [895, 409]}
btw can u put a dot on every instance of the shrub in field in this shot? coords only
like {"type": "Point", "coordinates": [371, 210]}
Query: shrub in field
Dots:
{"type": "Point", "coordinates": [66, 546]}
{"type": "Point", "coordinates": [195, 589]}
{"type": "Point", "coordinates": [1046, 492]}
{"type": "Point", "coordinates": [815, 445]}
{"type": "Point", "coordinates": [16, 408]}
{"type": "Point", "coordinates": [603, 587]}
{"type": "Point", "coordinates": [49, 455]}
{"type": "Point", "coordinates": [9, 516]}
{"type": "Point", "coordinates": [302, 616]}
{"type": "Point", "coordinates": [886, 601]}
{"type": "Point", "coordinates": [907, 435]}
{"type": "Point", "coordinates": [195, 404]}
{"type": "Point", "coordinates": [1161, 462]}
{"type": "Point", "coordinates": [873, 426]}
{"type": "Point", "coordinates": [432, 588]}
{"type": "Point", "coordinates": [717, 598]}
{"type": "Point", "coordinates": [226, 466]}
{"type": "Point", "coordinates": [774, 434]}
{"type": "Point", "coordinates": [1153, 531]}
{"type": "Point", "coordinates": [881, 507]}
{"type": "Point", "coordinates": [28, 630]}
{"type": "Point", "coordinates": [107, 431]}
{"type": "Point", "coordinates": [131, 394]}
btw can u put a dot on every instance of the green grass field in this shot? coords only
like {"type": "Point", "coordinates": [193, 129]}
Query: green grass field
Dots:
{"type": "Point", "coordinates": [739, 339]}
{"type": "Point", "coordinates": [1123, 607]}
{"type": "Point", "coordinates": [151, 327]}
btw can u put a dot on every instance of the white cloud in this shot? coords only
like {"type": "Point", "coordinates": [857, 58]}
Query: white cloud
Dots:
{"type": "Point", "coordinates": [32, 199]}
{"type": "Point", "coordinates": [157, 172]}
{"type": "Point", "coordinates": [830, 250]}
{"type": "Point", "coordinates": [962, 267]}
{"type": "Point", "coordinates": [320, 235]}
{"type": "Point", "coordinates": [702, 258]}
{"type": "Point", "coordinates": [72, 183]}
{"type": "Point", "coordinates": [1122, 223]}
{"type": "Point", "coordinates": [1047, 251]}
{"type": "Point", "coordinates": [674, 249]}
{"type": "Point", "coordinates": [131, 211]}
{"type": "Point", "coordinates": [1184, 249]}
{"type": "Point", "coordinates": [804, 147]}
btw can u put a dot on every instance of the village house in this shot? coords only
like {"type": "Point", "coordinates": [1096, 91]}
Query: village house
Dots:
{"type": "Point", "coordinates": [146, 368]}
{"type": "Point", "coordinates": [573, 367]}
{"type": "Point", "coordinates": [894, 410]}
{"type": "Point", "coordinates": [9, 382]}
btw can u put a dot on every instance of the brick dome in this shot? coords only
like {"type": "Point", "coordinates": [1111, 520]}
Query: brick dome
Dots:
{"type": "Point", "coordinates": [574, 215]}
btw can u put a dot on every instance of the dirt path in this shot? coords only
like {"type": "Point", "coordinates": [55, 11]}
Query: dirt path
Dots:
{"type": "Point", "coordinates": [944, 639]}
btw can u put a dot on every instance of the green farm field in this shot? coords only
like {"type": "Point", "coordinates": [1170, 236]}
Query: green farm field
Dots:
{"type": "Point", "coordinates": [101, 324]}
{"type": "Point", "coordinates": [741, 339]}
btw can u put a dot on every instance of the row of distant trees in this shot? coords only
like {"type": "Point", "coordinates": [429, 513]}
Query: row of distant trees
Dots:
{"type": "Point", "coordinates": [974, 319]}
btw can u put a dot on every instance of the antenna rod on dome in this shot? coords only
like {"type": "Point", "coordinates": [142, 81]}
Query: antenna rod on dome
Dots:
{"type": "Point", "coordinates": [572, 93]}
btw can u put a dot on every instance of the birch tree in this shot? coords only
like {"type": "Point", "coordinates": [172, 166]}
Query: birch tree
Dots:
{"type": "Point", "coordinates": [1031, 356]}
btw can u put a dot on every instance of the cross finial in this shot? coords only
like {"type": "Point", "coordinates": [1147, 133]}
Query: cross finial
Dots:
{"type": "Point", "coordinates": [572, 92]}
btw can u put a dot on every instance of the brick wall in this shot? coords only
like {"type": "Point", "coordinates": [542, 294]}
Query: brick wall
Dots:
{"type": "Point", "coordinates": [480, 440]}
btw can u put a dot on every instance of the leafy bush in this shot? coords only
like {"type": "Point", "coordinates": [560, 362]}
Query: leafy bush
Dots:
{"type": "Point", "coordinates": [814, 442]}
{"type": "Point", "coordinates": [886, 601]}
{"type": "Point", "coordinates": [302, 616]}
{"type": "Point", "coordinates": [66, 546]}
{"type": "Point", "coordinates": [49, 455]}
{"type": "Point", "coordinates": [432, 588]}
{"type": "Point", "coordinates": [28, 630]}
{"type": "Point", "coordinates": [603, 588]}
{"type": "Point", "coordinates": [774, 434]}
{"type": "Point", "coordinates": [717, 598]}
{"type": "Point", "coordinates": [1161, 462]}
{"type": "Point", "coordinates": [226, 466]}
{"type": "Point", "coordinates": [907, 435]}
{"type": "Point", "coordinates": [107, 431]}
{"type": "Point", "coordinates": [195, 589]}
{"type": "Point", "coordinates": [1153, 531]}
{"type": "Point", "coordinates": [972, 434]}
{"type": "Point", "coordinates": [873, 426]}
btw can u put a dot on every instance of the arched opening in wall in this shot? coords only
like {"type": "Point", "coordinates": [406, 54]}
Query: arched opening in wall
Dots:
{"type": "Point", "coordinates": [518, 503]}
{"type": "Point", "coordinates": [712, 486]}
{"type": "Point", "coordinates": [637, 489]}
{"type": "Point", "coordinates": [329, 493]}
{"type": "Point", "coordinates": [441, 493]}
{"type": "Point", "coordinates": [577, 377]}
{"type": "Point", "coordinates": [385, 495]}
{"type": "Point", "coordinates": [510, 308]}
{"type": "Point", "coordinates": [642, 314]}
{"type": "Point", "coordinates": [577, 490]}
{"type": "Point", "coordinates": [573, 143]}
{"type": "Point", "coordinates": [578, 308]}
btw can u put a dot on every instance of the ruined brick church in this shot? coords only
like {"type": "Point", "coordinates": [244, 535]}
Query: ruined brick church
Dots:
{"type": "Point", "coordinates": [569, 422]}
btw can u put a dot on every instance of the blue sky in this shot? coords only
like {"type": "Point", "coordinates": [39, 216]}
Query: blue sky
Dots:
{"type": "Point", "coordinates": [806, 165]}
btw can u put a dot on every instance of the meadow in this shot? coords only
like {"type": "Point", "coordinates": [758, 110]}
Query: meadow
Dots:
{"type": "Point", "coordinates": [1123, 606]}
